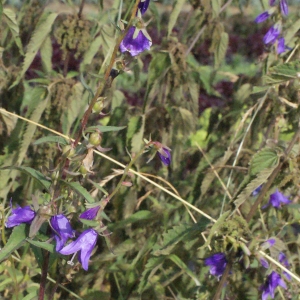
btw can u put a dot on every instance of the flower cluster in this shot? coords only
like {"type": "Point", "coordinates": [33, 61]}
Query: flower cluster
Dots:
{"type": "Point", "coordinates": [137, 38]}
{"type": "Point", "coordinates": [217, 264]}
{"type": "Point", "coordinates": [62, 231]}
{"type": "Point", "coordinates": [274, 34]}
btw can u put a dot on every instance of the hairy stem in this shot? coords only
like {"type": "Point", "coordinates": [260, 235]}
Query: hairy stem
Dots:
{"type": "Point", "coordinates": [44, 275]}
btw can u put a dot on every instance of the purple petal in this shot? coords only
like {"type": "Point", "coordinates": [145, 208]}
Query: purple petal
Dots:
{"type": "Point", "coordinates": [272, 2]}
{"type": "Point", "coordinates": [272, 35]}
{"type": "Point", "coordinates": [281, 46]}
{"type": "Point", "coordinates": [143, 6]}
{"type": "Point", "coordinates": [277, 199]}
{"type": "Point", "coordinates": [264, 263]}
{"type": "Point", "coordinates": [90, 240]}
{"type": "Point", "coordinates": [284, 7]}
{"type": "Point", "coordinates": [20, 215]}
{"type": "Point", "coordinates": [90, 214]}
{"type": "Point", "coordinates": [217, 263]}
{"type": "Point", "coordinates": [164, 155]}
{"type": "Point", "coordinates": [135, 45]}
{"type": "Point", "coordinates": [283, 260]}
{"type": "Point", "coordinates": [262, 17]}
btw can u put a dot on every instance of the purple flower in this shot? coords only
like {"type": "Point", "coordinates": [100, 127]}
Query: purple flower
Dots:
{"type": "Point", "coordinates": [272, 2]}
{"type": "Point", "coordinates": [272, 282]}
{"type": "Point", "coordinates": [277, 199]}
{"type": "Point", "coordinates": [164, 155]}
{"type": "Point", "coordinates": [264, 263]}
{"type": "Point", "coordinates": [90, 214]}
{"type": "Point", "coordinates": [135, 41]}
{"type": "Point", "coordinates": [272, 35]}
{"type": "Point", "coordinates": [143, 6]}
{"type": "Point", "coordinates": [283, 260]}
{"type": "Point", "coordinates": [85, 243]}
{"type": "Point", "coordinates": [268, 244]}
{"type": "Point", "coordinates": [256, 191]}
{"type": "Point", "coordinates": [217, 263]}
{"type": "Point", "coordinates": [262, 17]}
{"type": "Point", "coordinates": [20, 215]}
{"type": "Point", "coordinates": [284, 7]}
{"type": "Point", "coordinates": [62, 230]}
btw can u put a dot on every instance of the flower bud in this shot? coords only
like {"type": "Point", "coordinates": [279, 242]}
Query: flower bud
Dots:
{"type": "Point", "coordinates": [95, 139]}
{"type": "Point", "coordinates": [68, 151]}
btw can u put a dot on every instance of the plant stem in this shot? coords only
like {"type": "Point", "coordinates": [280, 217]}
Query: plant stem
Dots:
{"type": "Point", "coordinates": [222, 282]}
{"type": "Point", "coordinates": [104, 83]}
{"type": "Point", "coordinates": [44, 272]}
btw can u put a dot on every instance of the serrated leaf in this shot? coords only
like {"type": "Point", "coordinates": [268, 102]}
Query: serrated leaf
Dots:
{"type": "Point", "coordinates": [137, 139]}
{"type": "Point", "coordinates": [142, 215]}
{"type": "Point", "coordinates": [51, 139]}
{"type": "Point", "coordinates": [215, 228]}
{"type": "Point", "coordinates": [34, 174]}
{"type": "Point", "coordinates": [15, 241]}
{"type": "Point", "coordinates": [216, 7]}
{"type": "Point", "coordinates": [91, 52]}
{"type": "Point", "coordinates": [11, 21]}
{"type": "Point", "coordinates": [266, 158]}
{"type": "Point", "coordinates": [44, 245]}
{"type": "Point", "coordinates": [76, 186]}
{"type": "Point", "coordinates": [46, 54]}
{"type": "Point", "coordinates": [104, 128]}
{"type": "Point", "coordinates": [261, 178]}
{"type": "Point", "coordinates": [39, 35]}
{"type": "Point", "coordinates": [221, 48]}
{"type": "Point", "coordinates": [174, 15]}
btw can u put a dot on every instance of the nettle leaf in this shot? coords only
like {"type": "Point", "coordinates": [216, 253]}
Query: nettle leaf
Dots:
{"type": "Point", "coordinates": [11, 21]}
{"type": "Point", "coordinates": [15, 241]}
{"type": "Point", "coordinates": [215, 228]}
{"type": "Point", "coordinates": [44, 245]}
{"type": "Point", "coordinates": [37, 175]}
{"type": "Point", "coordinates": [158, 66]}
{"type": "Point", "coordinates": [77, 187]}
{"type": "Point", "coordinates": [39, 35]}
{"type": "Point", "coordinates": [266, 158]}
{"type": "Point", "coordinates": [151, 267]}
{"type": "Point", "coordinates": [137, 139]}
{"type": "Point", "coordinates": [282, 73]}
{"type": "Point", "coordinates": [51, 139]}
{"type": "Point", "coordinates": [179, 233]}
{"type": "Point", "coordinates": [221, 48]}
{"type": "Point", "coordinates": [174, 15]}
{"type": "Point", "coordinates": [46, 54]}
{"type": "Point", "coordinates": [260, 179]}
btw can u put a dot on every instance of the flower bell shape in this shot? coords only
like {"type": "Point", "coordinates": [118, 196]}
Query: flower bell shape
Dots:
{"type": "Point", "coordinates": [90, 214]}
{"type": "Point", "coordinates": [20, 215]}
{"type": "Point", "coordinates": [262, 17]}
{"type": "Point", "coordinates": [272, 35]}
{"type": "Point", "coordinates": [85, 243]}
{"type": "Point", "coordinates": [165, 155]}
{"type": "Point", "coordinates": [277, 199]}
{"type": "Point", "coordinates": [283, 260]}
{"type": "Point", "coordinates": [284, 7]}
{"type": "Point", "coordinates": [217, 264]}
{"type": "Point", "coordinates": [143, 6]}
{"type": "Point", "coordinates": [273, 281]}
{"type": "Point", "coordinates": [62, 230]}
{"type": "Point", "coordinates": [136, 41]}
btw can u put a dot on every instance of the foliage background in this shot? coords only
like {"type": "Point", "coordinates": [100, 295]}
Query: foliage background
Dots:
{"type": "Point", "coordinates": [208, 88]}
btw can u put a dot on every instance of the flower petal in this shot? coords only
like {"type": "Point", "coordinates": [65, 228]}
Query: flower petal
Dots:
{"type": "Point", "coordinates": [20, 215]}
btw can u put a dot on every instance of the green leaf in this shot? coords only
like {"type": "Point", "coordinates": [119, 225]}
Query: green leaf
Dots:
{"type": "Point", "coordinates": [266, 158]}
{"type": "Point", "coordinates": [91, 52]}
{"type": "Point", "coordinates": [221, 48]}
{"type": "Point", "coordinates": [76, 186]}
{"type": "Point", "coordinates": [104, 128]}
{"type": "Point", "coordinates": [39, 35]}
{"type": "Point", "coordinates": [51, 139]}
{"type": "Point", "coordinates": [44, 245]}
{"type": "Point", "coordinates": [135, 132]}
{"type": "Point", "coordinates": [46, 54]}
{"type": "Point", "coordinates": [291, 31]}
{"type": "Point", "coordinates": [34, 174]}
{"type": "Point", "coordinates": [283, 73]}
{"type": "Point", "coordinates": [216, 7]}
{"type": "Point", "coordinates": [11, 21]}
{"type": "Point", "coordinates": [15, 241]}
{"type": "Point", "coordinates": [142, 215]}
{"type": "Point", "coordinates": [174, 15]}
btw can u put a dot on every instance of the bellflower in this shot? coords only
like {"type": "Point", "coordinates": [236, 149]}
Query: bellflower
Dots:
{"type": "Point", "coordinates": [257, 191]}
{"type": "Point", "coordinates": [277, 199]}
{"type": "Point", "coordinates": [272, 35]}
{"type": "Point", "coordinates": [62, 229]}
{"type": "Point", "coordinates": [284, 7]}
{"type": "Point", "coordinates": [20, 215]}
{"type": "Point", "coordinates": [264, 263]}
{"type": "Point", "coordinates": [90, 214]}
{"type": "Point", "coordinates": [217, 263]}
{"type": "Point", "coordinates": [164, 155]}
{"type": "Point", "coordinates": [281, 47]}
{"type": "Point", "coordinates": [273, 281]}
{"type": "Point", "coordinates": [143, 6]}
{"type": "Point", "coordinates": [85, 243]}
{"type": "Point", "coordinates": [262, 17]}
{"type": "Point", "coordinates": [283, 260]}
{"type": "Point", "coordinates": [136, 41]}
{"type": "Point", "coordinates": [272, 2]}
